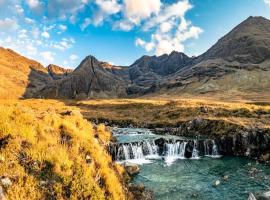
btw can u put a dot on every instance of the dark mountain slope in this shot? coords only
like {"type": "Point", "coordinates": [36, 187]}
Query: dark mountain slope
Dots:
{"type": "Point", "coordinates": [89, 79]}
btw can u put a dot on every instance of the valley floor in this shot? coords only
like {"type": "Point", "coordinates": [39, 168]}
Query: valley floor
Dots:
{"type": "Point", "coordinates": [156, 112]}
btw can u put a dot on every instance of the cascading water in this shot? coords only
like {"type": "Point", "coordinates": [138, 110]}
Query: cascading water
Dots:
{"type": "Point", "coordinates": [195, 152]}
{"type": "Point", "coordinates": [171, 150]}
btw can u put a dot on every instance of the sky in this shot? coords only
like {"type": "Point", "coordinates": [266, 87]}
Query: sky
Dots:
{"type": "Point", "coordinates": [64, 32]}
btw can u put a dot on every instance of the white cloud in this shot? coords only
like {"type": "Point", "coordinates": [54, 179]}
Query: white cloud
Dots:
{"type": "Point", "coordinates": [86, 23]}
{"type": "Point", "coordinates": [48, 56]}
{"type": "Point", "coordinates": [267, 2]}
{"type": "Point", "coordinates": [64, 44]}
{"type": "Point", "coordinates": [62, 27]}
{"type": "Point", "coordinates": [171, 29]}
{"type": "Point", "coordinates": [106, 8]}
{"type": "Point", "coordinates": [73, 57]}
{"type": "Point", "coordinates": [8, 24]}
{"type": "Point", "coordinates": [35, 5]}
{"type": "Point", "coordinates": [45, 34]}
{"type": "Point", "coordinates": [135, 11]}
{"type": "Point", "coordinates": [23, 34]}
{"type": "Point", "coordinates": [29, 21]}
{"type": "Point", "coordinates": [18, 9]}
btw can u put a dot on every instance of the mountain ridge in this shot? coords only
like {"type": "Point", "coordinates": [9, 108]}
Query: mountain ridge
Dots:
{"type": "Point", "coordinates": [239, 62]}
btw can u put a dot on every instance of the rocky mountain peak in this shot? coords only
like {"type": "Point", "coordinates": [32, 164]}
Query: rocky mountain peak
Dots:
{"type": "Point", "coordinates": [249, 42]}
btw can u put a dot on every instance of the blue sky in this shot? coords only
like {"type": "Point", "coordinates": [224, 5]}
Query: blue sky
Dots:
{"type": "Point", "coordinates": [63, 32]}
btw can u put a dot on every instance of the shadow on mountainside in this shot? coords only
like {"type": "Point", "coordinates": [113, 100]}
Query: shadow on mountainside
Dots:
{"type": "Point", "coordinates": [37, 80]}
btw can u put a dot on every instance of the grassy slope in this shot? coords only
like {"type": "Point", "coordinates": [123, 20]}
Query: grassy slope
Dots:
{"type": "Point", "coordinates": [46, 154]}
{"type": "Point", "coordinates": [16, 75]}
{"type": "Point", "coordinates": [170, 112]}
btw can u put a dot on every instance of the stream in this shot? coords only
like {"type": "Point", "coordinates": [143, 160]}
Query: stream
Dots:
{"type": "Point", "coordinates": [187, 168]}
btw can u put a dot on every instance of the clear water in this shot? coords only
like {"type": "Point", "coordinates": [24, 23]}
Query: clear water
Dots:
{"type": "Point", "coordinates": [193, 179]}
{"type": "Point", "coordinates": [188, 179]}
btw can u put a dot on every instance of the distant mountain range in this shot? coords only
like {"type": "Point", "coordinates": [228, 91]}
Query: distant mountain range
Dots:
{"type": "Point", "coordinates": [239, 63]}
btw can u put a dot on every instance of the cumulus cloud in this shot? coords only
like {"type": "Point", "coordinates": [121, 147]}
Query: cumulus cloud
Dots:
{"type": "Point", "coordinates": [45, 34]}
{"type": "Point", "coordinates": [171, 29]}
{"type": "Point", "coordinates": [35, 5]}
{"type": "Point", "coordinates": [64, 44]}
{"type": "Point", "coordinates": [62, 27]}
{"type": "Point", "coordinates": [267, 2]}
{"type": "Point", "coordinates": [8, 24]}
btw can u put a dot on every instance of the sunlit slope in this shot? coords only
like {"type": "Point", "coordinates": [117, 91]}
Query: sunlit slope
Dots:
{"type": "Point", "coordinates": [20, 76]}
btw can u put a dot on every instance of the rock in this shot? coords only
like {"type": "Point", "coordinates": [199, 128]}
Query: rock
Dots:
{"type": "Point", "coordinates": [88, 159]}
{"type": "Point", "coordinates": [251, 197]}
{"type": "Point", "coordinates": [264, 196]}
{"type": "Point", "coordinates": [6, 182]}
{"type": "Point", "coordinates": [131, 169]}
{"type": "Point", "coordinates": [216, 183]}
{"type": "Point", "coordinates": [226, 178]}
{"type": "Point", "coordinates": [139, 192]}
{"type": "Point", "coordinates": [2, 196]}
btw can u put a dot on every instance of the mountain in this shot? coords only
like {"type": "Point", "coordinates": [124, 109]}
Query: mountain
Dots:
{"type": "Point", "coordinates": [20, 76]}
{"type": "Point", "coordinates": [90, 79]}
{"type": "Point", "coordinates": [249, 42]}
{"type": "Point", "coordinates": [149, 70]}
{"type": "Point", "coordinates": [57, 72]}
{"type": "Point", "coordinates": [239, 63]}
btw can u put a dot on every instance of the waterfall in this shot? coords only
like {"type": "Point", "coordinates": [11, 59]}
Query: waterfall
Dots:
{"type": "Point", "coordinates": [195, 152]}
{"type": "Point", "coordinates": [170, 150]}
{"type": "Point", "coordinates": [182, 150]}
{"type": "Point", "coordinates": [215, 152]}
{"type": "Point", "coordinates": [137, 151]}
{"type": "Point", "coordinates": [152, 149]}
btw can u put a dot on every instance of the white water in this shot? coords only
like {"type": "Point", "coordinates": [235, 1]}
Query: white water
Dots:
{"type": "Point", "coordinates": [145, 150]}
{"type": "Point", "coordinates": [195, 152]}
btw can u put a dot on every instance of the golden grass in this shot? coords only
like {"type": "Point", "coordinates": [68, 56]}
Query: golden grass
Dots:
{"type": "Point", "coordinates": [47, 153]}
{"type": "Point", "coordinates": [170, 112]}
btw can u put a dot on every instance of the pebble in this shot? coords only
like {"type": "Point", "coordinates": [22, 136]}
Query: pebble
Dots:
{"type": "Point", "coordinates": [225, 178]}
{"type": "Point", "coordinates": [216, 183]}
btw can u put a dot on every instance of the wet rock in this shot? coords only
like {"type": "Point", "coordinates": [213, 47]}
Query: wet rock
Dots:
{"type": "Point", "coordinates": [251, 197]}
{"type": "Point", "coordinates": [6, 182]}
{"type": "Point", "coordinates": [264, 196]}
{"type": "Point", "coordinates": [139, 192]}
{"type": "Point", "coordinates": [216, 183]}
{"type": "Point", "coordinates": [189, 149]}
{"type": "Point", "coordinates": [226, 178]}
{"type": "Point", "coordinates": [131, 169]}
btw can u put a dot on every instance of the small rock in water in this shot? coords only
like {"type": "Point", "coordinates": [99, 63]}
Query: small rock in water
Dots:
{"type": "Point", "coordinates": [216, 183]}
{"type": "Point", "coordinates": [251, 197]}
{"type": "Point", "coordinates": [264, 196]}
{"type": "Point", "coordinates": [132, 169]}
{"type": "Point", "coordinates": [249, 164]}
{"type": "Point", "coordinates": [225, 178]}
{"type": "Point", "coordinates": [6, 182]}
